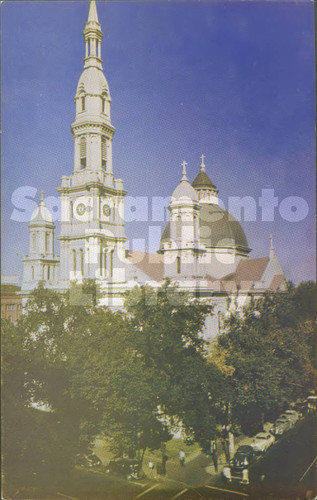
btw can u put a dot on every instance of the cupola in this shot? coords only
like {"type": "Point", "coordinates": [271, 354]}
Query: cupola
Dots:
{"type": "Point", "coordinates": [206, 190]}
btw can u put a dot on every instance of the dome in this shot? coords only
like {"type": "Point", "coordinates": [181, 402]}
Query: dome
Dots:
{"type": "Point", "coordinates": [41, 215]}
{"type": "Point", "coordinates": [184, 191]}
{"type": "Point", "coordinates": [217, 229]}
{"type": "Point", "coordinates": [202, 181]}
{"type": "Point", "coordinates": [92, 81]}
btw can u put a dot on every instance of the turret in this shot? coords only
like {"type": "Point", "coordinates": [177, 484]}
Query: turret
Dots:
{"type": "Point", "coordinates": [181, 247]}
{"type": "Point", "coordinates": [206, 190]}
{"type": "Point", "coordinates": [40, 264]}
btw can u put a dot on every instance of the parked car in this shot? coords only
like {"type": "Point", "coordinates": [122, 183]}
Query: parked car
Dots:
{"type": "Point", "coordinates": [262, 441]}
{"type": "Point", "coordinates": [244, 456]}
{"type": "Point", "coordinates": [311, 403]}
{"type": "Point", "coordinates": [125, 467]}
{"type": "Point", "coordinates": [90, 460]}
{"type": "Point", "coordinates": [287, 418]}
{"type": "Point", "coordinates": [281, 425]}
{"type": "Point", "coordinates": [293, 415]}
{"type": "Point", "coordinates": [238, 470]}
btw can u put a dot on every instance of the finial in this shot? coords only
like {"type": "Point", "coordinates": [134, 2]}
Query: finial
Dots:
{"type": "Point", "coordinates": [42, 197]}
{"type": "Point", "coordinates": [202, 165]}
{"type": "Point", "coordinates": [271, 247]}
{"type": "Point", "coordinates": [184, 178]}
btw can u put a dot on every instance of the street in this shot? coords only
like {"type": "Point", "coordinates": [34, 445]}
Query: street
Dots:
{"type": "Point", "coordinates": [287, 470]}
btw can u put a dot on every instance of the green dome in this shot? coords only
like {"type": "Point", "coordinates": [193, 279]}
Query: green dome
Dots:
{"type": "Point", "coordinates": [202, 181]}
{"type": "Point", "coordinates": [217, 229]}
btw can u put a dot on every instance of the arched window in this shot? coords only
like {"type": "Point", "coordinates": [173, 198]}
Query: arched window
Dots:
{"type": "Point", "coordinates": [74, 261]}
{"type": "Point", "coordinates": [88, 261]}
{"type": "Point", "coordinates": [103, 104]}
{"type": "Point", "coordinates": [32, 272]}
{"type": "Point", "coordinates": [48, 272]}
{"type": "Point", "coordinates": [195, 227]}
{"type": "Point", "coordinates": [82, 151]}
{"type": "Point", "coordinates": [47, 242]}
{"type": "Point", "coordinates": [111, 264]}
{"type": "Point", "coordinates": [103, 152]}
{"type": "Point", "coordinates": [104, 262]}
{"type": "Point", "coordinates": [81, 262]}
{"type": "Point", "coordinates": [178, 265]}
{"type": "Point", "coordinates": [83, 102]}
{"type": "Point", "coordinates": [100, 262]}
{"type": "Point", "coordinates": [33, 242]}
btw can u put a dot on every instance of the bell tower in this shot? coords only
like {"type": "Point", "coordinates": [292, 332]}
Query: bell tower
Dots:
{"type": "Point", "coordinates": [92, 239]}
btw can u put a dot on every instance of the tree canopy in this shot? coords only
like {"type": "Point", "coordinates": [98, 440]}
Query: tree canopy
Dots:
{"type": "Point", "coordinates": [268, 352]}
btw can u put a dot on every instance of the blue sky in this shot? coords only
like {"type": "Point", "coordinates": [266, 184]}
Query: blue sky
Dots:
{"type": "Point", "coordinates": [232, 80]}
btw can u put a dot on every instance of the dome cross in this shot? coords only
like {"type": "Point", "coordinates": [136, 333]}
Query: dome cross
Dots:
{"type": "Point", "coordinates": [184, 177]}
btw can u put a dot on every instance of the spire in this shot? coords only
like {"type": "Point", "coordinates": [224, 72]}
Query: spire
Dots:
{"type": "Point", "coordinates": [272, 254]}
{"type": "Point", "coordinates": [202, 165]}
{"type": "Point", "coordinates": [42, 198]}
{"type": "Point", "coordinates": [93, 36]}
{"type": "Point", "coordinates": [184, 177]}
{"type": "Point", "coordinates": [93, 16]}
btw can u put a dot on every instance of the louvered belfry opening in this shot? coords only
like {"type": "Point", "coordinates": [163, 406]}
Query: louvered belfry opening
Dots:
{"type": "Point", "coordinates": [104, 152]}
{"type": "Point", "coordinates": [83, 149]}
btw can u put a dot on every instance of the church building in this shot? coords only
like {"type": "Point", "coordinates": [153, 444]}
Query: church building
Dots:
{"type": "Point", "coordinates": [203, 248]}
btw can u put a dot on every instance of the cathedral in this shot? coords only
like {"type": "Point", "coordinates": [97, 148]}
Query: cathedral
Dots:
{"type": "Point", "coordinates": [203, 248]}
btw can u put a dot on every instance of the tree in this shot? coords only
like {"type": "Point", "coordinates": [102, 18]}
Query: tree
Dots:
{"type": "Point", "coordinates": [166, 327]}
{"type": "Point", "coordinates": [131, 377]}
{"type": "Point", "coordinates": [269, 347]}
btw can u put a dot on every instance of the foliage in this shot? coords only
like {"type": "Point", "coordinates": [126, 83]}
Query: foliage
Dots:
{"type": "Point", "coordinates": [127, 376]}
{"type": "Point", "coordinates": [166, 325]}
{"type": "Point", "coordinates": [270, 348]}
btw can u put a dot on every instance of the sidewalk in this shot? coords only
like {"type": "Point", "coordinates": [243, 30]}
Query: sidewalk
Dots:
{"type": "Point", "coordinates": [199, 468]}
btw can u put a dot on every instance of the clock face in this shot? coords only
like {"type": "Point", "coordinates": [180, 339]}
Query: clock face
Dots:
{"type": "Point", "coordinates": [106, 210]}
{"type": "Point", "coordinates": [81, 209]}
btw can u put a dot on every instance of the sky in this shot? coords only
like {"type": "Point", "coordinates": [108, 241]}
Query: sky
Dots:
{"type": "Point", "coordinates": [232, 80]}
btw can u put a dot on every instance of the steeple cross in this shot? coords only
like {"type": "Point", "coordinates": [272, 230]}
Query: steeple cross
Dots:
{"type": "Point", "coordinates": [271, 246]}
{"type": "Point", "coordinates": [202, 165]}
{"type": "Point", "coordinates": [184, 164]}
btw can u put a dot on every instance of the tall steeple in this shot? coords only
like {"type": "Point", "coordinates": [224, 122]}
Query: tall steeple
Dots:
{"type": "Point", "coordinates": [92, 227]}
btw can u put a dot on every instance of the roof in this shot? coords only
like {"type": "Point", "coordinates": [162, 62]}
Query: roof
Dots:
{"type": "Point", "coordinates": [149, 263]}
{"type": "Point", "coordinates": [248, 270]}
{"type": "Point", "coordinates": [41, 214]}
{"type": "Point", "coordinates": [10, 288]}
{"type": "Point", "coordinates": [217, 229]}
{"type": "Point", "coordinates": [92, 81]}
{"type": "Point", "coordinates": [202, 180]}
{"type": "Point", "coordinates": [184, 191]}
{"type": "Point", "coordinates": [277, 281]}
{"type": "Point", "coordinates": [247, 273]}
